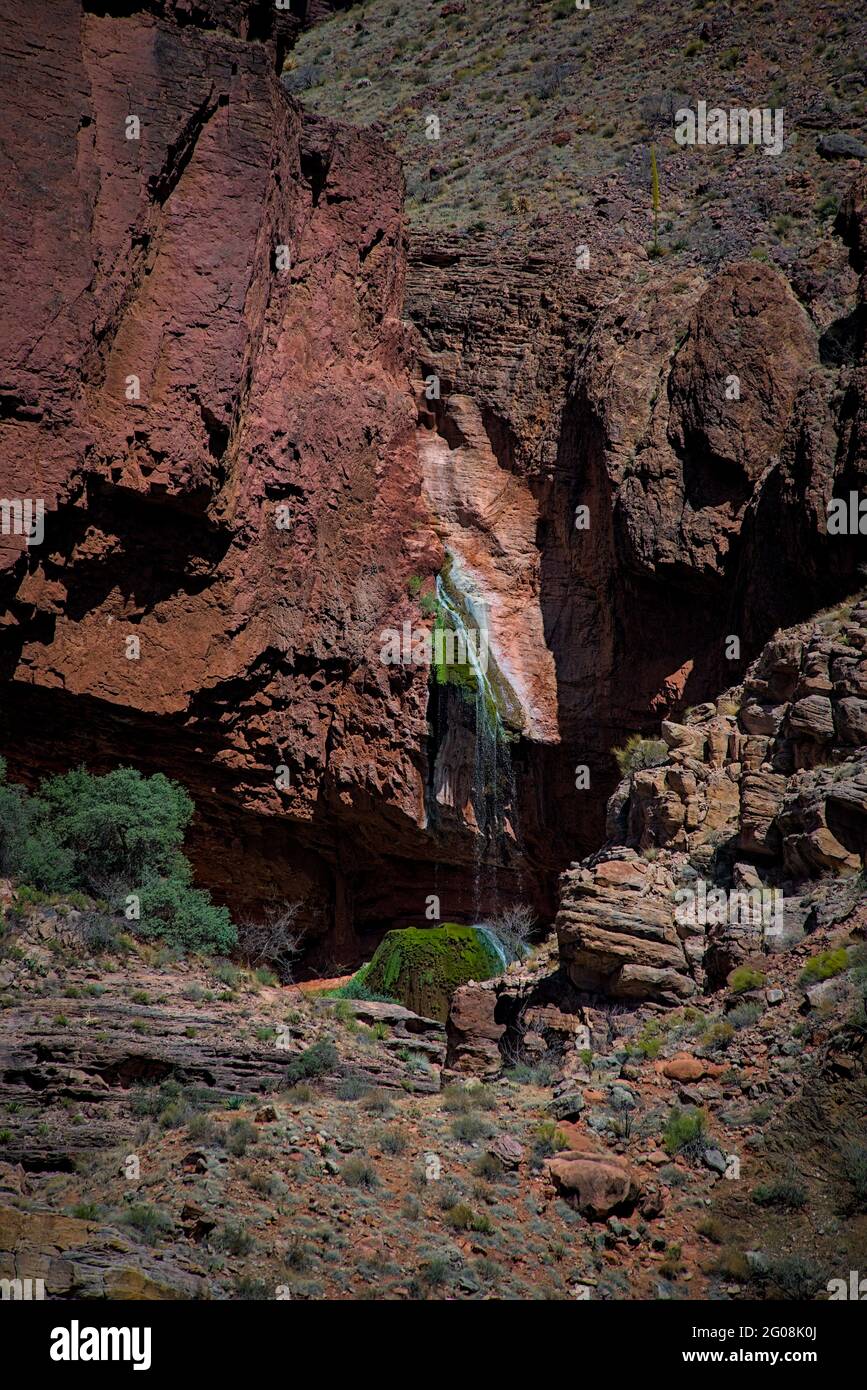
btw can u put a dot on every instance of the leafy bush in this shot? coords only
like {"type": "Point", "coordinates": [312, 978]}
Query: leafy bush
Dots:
{"type": "Point", "coordinates": [824, 966]}
{"type": "Point", "coordinates": [351, 1088]}
{"type": "Point", "coordinates": [650, 1040]}
{"type": "Point", "coordinates": [357, 1172]}
{"type": "Point", "coordinates": [392, 1141]}
{"type": "Point", "coordinates": [795, 1277]}
{"type": "Point", "coordinates": [235, 1239]}
{"type": "Point", "coordinates": [435, 1271]}
{"type": "Point", "coordinates": [463, 1218]}
{"type": "Point", "coordinates": [317, 1060]}
{"type": "Point", "coordinates": [552, 1138]}
{"type": "Point", "coordinates": [112, 836]}
{"type": "Point", "coordinates": [241, 1134]}
{"type": "Point", "coordinates": [785, 1193]}
{"type": "Point", "coordinates": [470, 1127]}
{"type": "Point", "coordinates": [744, 1016]}
{"type": "Point", "coordinates": [745, 978]}
{"type": "Point", "coordinates": [185, 916]}
{"type": "Point", "coordinates": [459, 1099]}
{"type": "Point", "coordinates": [524, 1073]}
{"type": "Point", "coordinates": [717, 1036]}
{"type": "Point", "coordinates": [149, 1222]}
{"type": "Point", "coordinates": [685, 1131]}
{"type": "Point", "coordinates": [640, 752]}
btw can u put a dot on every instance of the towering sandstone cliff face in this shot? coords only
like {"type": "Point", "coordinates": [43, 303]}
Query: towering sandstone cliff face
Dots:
{"type": "Point", "coordinates": [259, 515]}
{"type": "Point", "coordinates": [260, 390]}
{"type": "Point", "coordinates": [666, 516]}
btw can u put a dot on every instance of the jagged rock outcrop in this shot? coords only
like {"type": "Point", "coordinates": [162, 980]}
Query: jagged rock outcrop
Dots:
{"type": "Point", "coordinates": [617, 932]}
{"type": "Point", "coordinates": [760, 791]}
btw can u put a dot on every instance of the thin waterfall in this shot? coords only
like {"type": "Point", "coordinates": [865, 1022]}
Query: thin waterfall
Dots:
{"type": "Point", "coordinates": [491, 762]}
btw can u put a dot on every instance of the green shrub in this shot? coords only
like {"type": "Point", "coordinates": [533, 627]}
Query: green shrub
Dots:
{"type": "Point", "coordinates": [711, 1229]}
{"type": "Point", "coordinates": [148, 1221]}
{"type": "Point", "coordinates": [113, 836]}
{"type": "Point", "coordinates": [685, 1131]}
{"type": "Point", "coordinates": [824, 966]}
{"type": "Point", "coordinates": [87, 1211]}
{"type": "Point", "coordinates": [532, 1074]}
{"type": "Point", "coordinates": [356, 988]}
{"type": "Point", "coordinates": [744, 1016]}
{"type": "Point", "coordinates": [796, 1277]}
{"type": "Point", "coordinates": [297, 1255]}
{"type": "Point", "coordinates": [434, 1272]}
{"type": "Point", "coordinates": [718, 1035]}
{"type": "Point", "coordinates": [351, 1088]}
{"type": "Point", "coordinates": [202, 1129]}
{"type": "Point", "coordinates": [650, 1040]}
{"type": "Point", "coordinates": [855, 1172]}
{"type": "Point", "coordinates": [459, 1099]}
{"type": "Point", "coordinates": [357, 1172]}
{"type": "Point", "coordinates": [745, 978]}
{"type": "Point", "coordinates": [392, 1141]}
{"type": "Point", "coordinates": [185, 916]}
{"type": "Point", "coordinates": [241, 1134]}
{"type": "Point", "coordinates": [470, 1127]}
{"type": "Point", "coordinates": [377, 1102]}
{"type": "Point", "coordinates": [235, 1239]}
{"type": "Point", "coordinates": [488, 1166]}
{"type": "Point", "coordinates": [317, 1060]}
{"type": "Point", "coordinates": [463, 1218]}
{"type": "Point", "coordinates": [785, 1193]}
{"type": "Point", "coordinates": [640, 752]}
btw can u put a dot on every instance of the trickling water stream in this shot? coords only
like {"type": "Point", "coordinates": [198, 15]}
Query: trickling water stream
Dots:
{"type": "Point", "coordinates": [495, 943]}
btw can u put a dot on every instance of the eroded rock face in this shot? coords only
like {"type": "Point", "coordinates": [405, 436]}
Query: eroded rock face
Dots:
{"type": "Point", "coordinates": [209, 385]}
{"type": "Point", "coordinates": [225, 450]}
{"type": "Point", "coordinates": [617, 932]}
{"type": "Point", "coordinates": [760, 792]}
{"type": "Point", "coordinates": [673, 441]}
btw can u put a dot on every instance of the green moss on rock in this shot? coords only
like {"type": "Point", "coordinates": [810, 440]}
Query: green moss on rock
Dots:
{"type": "Point", "coordinates": [422, 967]}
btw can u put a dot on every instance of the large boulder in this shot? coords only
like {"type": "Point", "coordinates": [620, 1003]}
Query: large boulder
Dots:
{"type": "Point", "coordinates": [422, 967]}
{"type": "Point", "coordinates": [473, 1031]}
{"type": "Point", "coordinates": [597, 1183]}
{"type": "Point", "coordinates": [617, 932]}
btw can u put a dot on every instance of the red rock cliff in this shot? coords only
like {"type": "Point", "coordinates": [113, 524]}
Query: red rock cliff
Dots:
{"type": "Point", "coordinates": [225, 449]}
{"type": "Point", "coordinates": [208, 383]}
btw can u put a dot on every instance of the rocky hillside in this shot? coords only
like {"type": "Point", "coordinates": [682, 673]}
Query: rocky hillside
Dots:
{"type": "Point", "coordinates": [705, 994]}
{"type": "Point", "coordinates": [764, 791]}
{"type": "Point", "coordinates": [541, 104]}
{"type": "Point", "coordinates": [653, 1105]}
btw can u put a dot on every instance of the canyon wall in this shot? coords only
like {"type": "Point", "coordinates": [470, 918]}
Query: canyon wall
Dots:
{"type": "Point", "coordinates": [672, 436]}
{"type": "Point", "coordinates": [216, 376]}
{"type": "Point", "coordinates": [225, 448]}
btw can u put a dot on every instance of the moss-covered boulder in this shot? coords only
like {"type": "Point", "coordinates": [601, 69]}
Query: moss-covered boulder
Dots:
{"type": "Point", "coordinates": [421, 967]}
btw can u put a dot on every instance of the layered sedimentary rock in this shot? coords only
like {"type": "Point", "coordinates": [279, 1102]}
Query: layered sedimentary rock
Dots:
{"type": "Point", "coordinates": [206, 384]}
{"type": "Point", "coordinates": [670, 437]}
{"type": "Point", "coordinates": [762, 792]}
